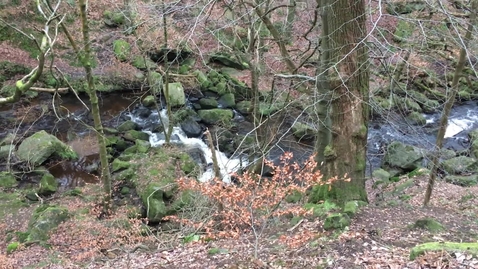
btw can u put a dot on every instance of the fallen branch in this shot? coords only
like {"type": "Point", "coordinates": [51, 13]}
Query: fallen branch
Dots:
{"type": "Point", "coordinates": [50, 90]}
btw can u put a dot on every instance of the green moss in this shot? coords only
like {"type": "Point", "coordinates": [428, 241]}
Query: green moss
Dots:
{"type": "Point", "coordinates": [322, 209]}
{"type": "Point", "coordinates": [9, 34]}
{"type": "Point", "coordinates": [452, 247]}
{"type": "Point", "coordinates": [329, 153]}
{"type": "Point", "coordinates": [403, 31]}
{"type": "Point", "coordinates": [12, 247]}
{"type": "Point", "coordinates": [121, 49]}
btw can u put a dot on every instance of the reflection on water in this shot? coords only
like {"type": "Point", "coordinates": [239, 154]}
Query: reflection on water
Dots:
{"type": "Point", "coordinates": [75, 173]}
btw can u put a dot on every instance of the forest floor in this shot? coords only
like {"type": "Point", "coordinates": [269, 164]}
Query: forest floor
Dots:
{"type": "Point", "coordinates": [380, 236]}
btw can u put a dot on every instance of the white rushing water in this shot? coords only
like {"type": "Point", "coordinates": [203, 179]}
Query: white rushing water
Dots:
{"type": "Point", "coordinates": [226, 165]}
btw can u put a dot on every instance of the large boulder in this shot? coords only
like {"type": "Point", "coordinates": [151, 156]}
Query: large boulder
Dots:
{"type": "Point", "coordinates": [176, 94]}
{"type": "Point", "coordinates": [403, 157]}
{"type": "Point", "coordinates": [303, 131]}
{"type": "Point", "coordinates": [460, 165]}
{"type": "Point", "coordinates": [37, 148]}
{"type": "Point", "coordinates": [48, 184]}
{"type": "Point", "coordinates": [215, 116]}
{"type": "Point", "coordinates": [44, 220]}
{"type": "Point", "coordinates": [155, 181]}
{"type": "Point", "coordinates": [6, 151]}
{"type": "Point", "coordinates": [191, 128]}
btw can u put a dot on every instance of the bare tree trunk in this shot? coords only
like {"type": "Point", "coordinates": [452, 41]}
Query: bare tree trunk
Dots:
{"type": "Point", "coordinates": [344, 74]}
{"type": "Point", "coordinates": [86, 62]}
{"type": "Point", "coordinates": [449, 103]}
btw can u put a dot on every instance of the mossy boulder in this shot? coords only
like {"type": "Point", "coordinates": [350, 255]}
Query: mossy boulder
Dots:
{"type": "Point", "coordinates": [48, 184]}
{"type": "Point", "coordinates": [216, 116]}
{"type": "Point", "coordinates": [416, 118]}
{"type": "Point", "coordinates": [336, 221]}
{"type": "Point", "coordinates": [40, 146]}
{"type": "Point", "coordinates": [133, 135]}
{"type": "Point", "coordinates": [113, 19]}
{"type": "Point", "coordinates": [228, 60]}
{"type": "Point", "coordinates": [381, 174]}
{"type": "Point", "coordinates": [460, 165]}
{"type": "Point", "coordinates": [452, 247]}
{"type": "Point", "coordinates": [142, 146]}
{"type": "Point", "coordinates": [143, 63]}
{"type": "Point", "coordinates": [428, 224]}
{"type": "Point", "coordinates": [402, 156]}
{"type": "Point", "coordinates": [127, 125]}
{"type": "Point", "coordinates": [118, 165]}
{"type": "Point", "coordinates": [244, 107]}
{"type": "Point", "coordinates": [176, 94]}
{"type": "Point", "coordinates": [464, 181]}
{"type": "Point", "coordinates": [156, 80]}
{"type": "Point", "coordinates": [155, 181]}
{"type": "Point", "coordinates": [6, 151]}
{"type": "Point", "coordinates": [149, 101]}
{"type": "Point", "coordinates": [7, 180]}
{"type": "Point", "coordinates": [208, 103]}
{"type": "Point", "coordinates": [44, 220]}
{"type": "Point", "coordinates": [227, 100]}
{"type": "Point", "coordinates": [303, 131]}
{"type": "Point", "coordinates": [121, 49]}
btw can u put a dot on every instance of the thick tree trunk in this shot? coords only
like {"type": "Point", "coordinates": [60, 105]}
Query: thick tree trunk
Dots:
{"type": "Point", "coordinates": [86, 61]}
{"type": "Point", "coordinates": [344, 73]}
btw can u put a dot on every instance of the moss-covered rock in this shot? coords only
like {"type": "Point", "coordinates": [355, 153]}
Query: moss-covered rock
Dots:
{"type": "Point", "coordinates": [143, 63]}
{"type": "Point", "coordinates": [127, 125]}
{"type": "Point", "coordinates": [402, 156]}
{"type": "Point", "coordinates": [6, 151]}
{"type": "Point", "coordinates": [452, 247]}
{"type": "Point", "coordinates": [48, 184]}
{"type": "Point", "coordinates": [228, 60]}
{"type": "Point", "coordinates": [118, 165]}
{"type": "Point", "coordinates": [208, 103]}
{"type": "Point", "coordinates": [113, 19]}
{"type": "Point", "coordinates": [149, 101]}
{"type": "Point", "coordinates": [156, 82]}
{"type": "Point", "coordinates": [244, 107]}
{"type": "Point", "coordinates": [37, 148]}
{"type": "Point", "coordinates": [460, 165]}
{"type": "Point", "coordinates": [121, 49]}
{"type": "Point", "coordinates": [7, 180]}
{"type": "Point", "coordinates": [303, 131]}
{"type": "Point", "coordinates": [133, 135]}
{"type": "Point", "coordinates": [381, 174]}
{"type": "Point", "coordinates": [155, 181]}
{"type": "Point", "coordinates": [464, 181]}
{"type": "Point", "coordinates": [44, 220]}
{"type": "Point", "coordinates": [416, 118]}
{"type": "Point", "coordinates": [176, 94]}
{"type": "Point", "coordinates": [428, 224]}
{"type": "Point", "coordinates": [216, 116]}
{"type": "Point", "coordinates": [227, 100]}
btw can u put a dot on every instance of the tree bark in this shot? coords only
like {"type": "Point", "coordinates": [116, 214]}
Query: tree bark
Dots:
{"type": "Point", "coordinates": [343, 88]}
{"type": "Point", "coordinates": [86, 62]}
{"type": "Point", "coordinates": [449, 103]}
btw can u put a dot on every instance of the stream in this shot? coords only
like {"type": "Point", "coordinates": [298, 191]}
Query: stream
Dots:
{"type": "Point", "coordinates": [119, 107]}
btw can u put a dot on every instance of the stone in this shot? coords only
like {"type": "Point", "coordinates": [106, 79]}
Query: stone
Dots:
{"type": "Point", "coordinates": [118, 165]}
{"type": "Point", "coordinates": [208, 103]}
{"type": "Point", "coordinates": [176, 94]}
{"type": "Point", "coordinates": [7, 180]}
{"type": "Point", "coordinates": [227, 100]}
{"type": "Point", "coordinates": [156, 80]}
{"type": "Point", "coordinates": [428, 224]}
{"type": "Point", "coordinates": [8, 140]}
{"type": "Point", "coordinates": [216, 116]}
{"type": "Point", "coordinates": [143, 63]}
{"type": "Point", "coordinates": [149, 101]}
{"type": "Point", "coordinates": [460, 165]}
{"type": "Point", "coordinates": [244, 107]}
{"type": "Point", "coordinates": [228, 60]}
{"type": "Point", "coordinates": [402, 156]}
{"type": "Point", "coordinates": [464, 181]}
{"type": "Point", "coordinates": [6, 151]}
{"type": "Point", "coordinates": [127, 125]}
{"type": "Point", "coordinates": [48, 184]}
{"type": "Point", "coordinates": [451, 247]}
{"type": "Point", "coordinates": [44, 220]}
{"type": "Point", "coordinates": [40, 146]}
{"type": "Point", "coordinates": [381, 174]}
{"type": "Point", "coordinates": [416, 118]}
{"type": "Point", "coordinates": [303, 131]}
{"type": "Point", "coordinates": [133, 135]}
{"type": "Point", "coordinates": [191, 128]}
{"type": "Point", "coordinates": [142, 146]}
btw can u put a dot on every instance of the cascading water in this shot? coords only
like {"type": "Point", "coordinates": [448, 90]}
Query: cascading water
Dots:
{"type": "Point", "coordinates": [226, 165]}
